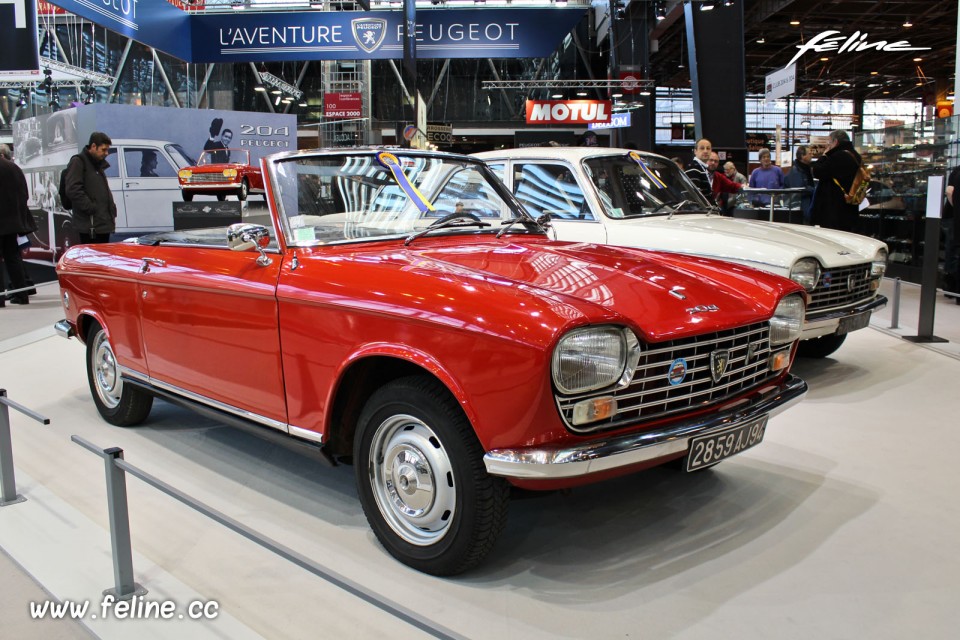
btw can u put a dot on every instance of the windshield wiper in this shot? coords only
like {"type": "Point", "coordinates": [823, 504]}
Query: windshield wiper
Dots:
{"type": "Point", "coordinates": [673, 207]}
{"type": "Point", "coordinates": [542, 223]}
{"type": "Point", "coordinates": [447, 221]}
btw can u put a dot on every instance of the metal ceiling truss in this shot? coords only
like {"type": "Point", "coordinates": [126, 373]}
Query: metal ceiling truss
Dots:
{"type": "Point", "coordinates": [570, 84]}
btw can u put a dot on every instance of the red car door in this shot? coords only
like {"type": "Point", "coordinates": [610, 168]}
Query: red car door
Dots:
{"type": "Point", "coordinates": [210, 327]}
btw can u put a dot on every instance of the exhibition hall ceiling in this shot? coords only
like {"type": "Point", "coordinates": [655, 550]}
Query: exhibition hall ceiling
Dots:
{"type": "Point", "coordinates": [770, 41]}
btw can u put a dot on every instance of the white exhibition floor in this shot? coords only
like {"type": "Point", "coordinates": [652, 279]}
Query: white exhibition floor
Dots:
{"type": "Point", "coordinates": [843, 523]}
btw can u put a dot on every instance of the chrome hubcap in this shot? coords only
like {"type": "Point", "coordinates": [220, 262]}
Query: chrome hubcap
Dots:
{"type": "Point", "coordinates": [107, 379]}
{"type": "Point", "coordinates": [412, 480]}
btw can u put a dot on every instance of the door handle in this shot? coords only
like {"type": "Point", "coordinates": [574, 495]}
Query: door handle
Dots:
{"type": "Point", "coordinates": [132, 184]}
{"type": "Point", "coordinates": [145, 264]}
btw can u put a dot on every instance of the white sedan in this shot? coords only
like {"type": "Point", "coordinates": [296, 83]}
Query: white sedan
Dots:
{"type": "Point", "coordinates": [637, 199]}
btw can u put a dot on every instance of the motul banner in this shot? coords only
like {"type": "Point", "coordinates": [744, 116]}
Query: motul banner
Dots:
{"type": "Point", "coordinates": [568, 111]}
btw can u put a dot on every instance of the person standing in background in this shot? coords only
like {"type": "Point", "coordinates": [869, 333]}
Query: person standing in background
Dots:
{"type": "Point", "coordinates": [94, 211]}
{"type": "Point", "coordinates": [801, 175]}
{"type": "Point", "coordinates": [835, 170]}
{"type": "Point", "coordinates": [721, 186]}
{"type": "Point", "coordinates": [766, 176]}
{"type": "Point", "coordinates": [15, 220]}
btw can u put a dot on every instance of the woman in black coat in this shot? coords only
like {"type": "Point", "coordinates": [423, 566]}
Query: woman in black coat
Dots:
{"type": "Point", "coordinates": [841, 162]}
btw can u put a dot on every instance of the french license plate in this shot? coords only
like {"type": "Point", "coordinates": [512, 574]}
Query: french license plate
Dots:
{"type": "Point", "coordinates": [854, 322]}
{"type": "Point", "coordinates": [709, 450]}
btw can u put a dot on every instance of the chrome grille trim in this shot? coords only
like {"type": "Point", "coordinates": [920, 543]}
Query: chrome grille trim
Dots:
{"type": "Point", "coordinates": [651, 396]}
{"type": "Point", "coordinates": [199, 178]}
{"type": "Point", "coordinates": [837, 294]}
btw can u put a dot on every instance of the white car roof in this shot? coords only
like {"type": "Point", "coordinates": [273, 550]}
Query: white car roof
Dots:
{"type": "Point", "coordinates": [571, 154]}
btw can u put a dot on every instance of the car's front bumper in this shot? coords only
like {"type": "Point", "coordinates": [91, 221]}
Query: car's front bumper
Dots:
{"type": "Point", "coordinates": [600, 456]}
{"type": "Point", "coordinates": [822, 323]}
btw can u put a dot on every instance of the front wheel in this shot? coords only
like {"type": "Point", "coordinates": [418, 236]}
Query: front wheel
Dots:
{"type": "Point", "coordinates": [188, 196]}
{"type": "Point", "coordinates": [421, 479]}
{"type": "Point", "coordinates": [119, 404]}
{"type": "Point", "coordinates": [244, 190]}
{"type": "Point", "coordinates": [820, 347]}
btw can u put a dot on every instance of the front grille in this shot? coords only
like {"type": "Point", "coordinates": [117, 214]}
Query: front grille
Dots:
{"type": "Point", "coordinates": [841, 287]}
{"type": "Point", "coordinates": [206, 178]}
{"type": "Point", "coordinates": [651, 394]}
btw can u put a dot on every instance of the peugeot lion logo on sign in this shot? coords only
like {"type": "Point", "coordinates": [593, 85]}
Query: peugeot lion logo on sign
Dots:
{"type": "Point", "coordinates": [369, 33]}
{"type": "Point", "coordinates": [718, 364]}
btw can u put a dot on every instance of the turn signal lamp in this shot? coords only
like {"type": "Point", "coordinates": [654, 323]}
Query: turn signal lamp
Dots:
{"type": "Point", "coordinates": [594, 409]}
{"type": "Point", "coordinates": [780, 360]}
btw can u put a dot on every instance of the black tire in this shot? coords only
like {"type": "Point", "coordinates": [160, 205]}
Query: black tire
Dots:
{"type": "Point", "coordinates": [187, 196]}
{"type": "Point", "coordinates": [119, 404]}
{"type": "Point", "coordinates": [244, 190]}
{"type": "Point", "coordinates": [820, 347]}
{"type": "Point", "coordinates": [221, 197]}
{"type": "Point", "coordinates": [410, 434]}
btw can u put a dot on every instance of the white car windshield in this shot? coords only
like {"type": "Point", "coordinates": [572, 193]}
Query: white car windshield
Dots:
{"type": "Point", "coordinates": [335, 197]}
{"type": "Point", "coordinates": [632, 185]}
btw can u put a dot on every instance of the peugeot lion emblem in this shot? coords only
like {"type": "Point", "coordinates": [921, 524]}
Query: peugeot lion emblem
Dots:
{"type": "Point", "coordinates": [718, 363]}
{"type": "Point", "coordinates": [369, 33]}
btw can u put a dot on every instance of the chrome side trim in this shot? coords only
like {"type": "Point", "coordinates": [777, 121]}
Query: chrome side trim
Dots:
{"type": "Point", "coordinates": [623, 451]}
{"type": "Point", "coordinates": [127, 372]}
{"type": "Point", "coordinates": [306, 434]}
{"type": "Point", "coordinates": [64, 329]}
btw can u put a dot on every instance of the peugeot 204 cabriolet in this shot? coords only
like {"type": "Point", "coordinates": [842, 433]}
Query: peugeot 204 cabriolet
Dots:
{"type": "Point", "coordinates": [401, 311]}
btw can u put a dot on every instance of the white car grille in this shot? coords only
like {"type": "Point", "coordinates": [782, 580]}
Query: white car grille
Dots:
{"type": "Point", "coordinates": [841, 287]}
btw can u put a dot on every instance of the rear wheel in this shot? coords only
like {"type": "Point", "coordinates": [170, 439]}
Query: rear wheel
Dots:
{"type": "Point", "coordinates": [421, 479]}
{"type": "Point", "coordinates": [244, 190]}
{"type": "Point", "coordinates": [820, 347]}
{"type": "Point", "coordinates": [221, 197]}
{"type": "Point", "coordinates": [119, 404]}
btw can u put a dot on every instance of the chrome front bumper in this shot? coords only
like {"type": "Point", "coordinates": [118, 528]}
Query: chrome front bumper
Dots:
{"type": "Point", "coordinates": [623, 451]}
{"type": "Point", "coordinates": [821, 323]}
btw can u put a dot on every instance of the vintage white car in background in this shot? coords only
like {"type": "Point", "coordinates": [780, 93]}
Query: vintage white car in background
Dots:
{"type": "Point", "coordinates": [637, 199]}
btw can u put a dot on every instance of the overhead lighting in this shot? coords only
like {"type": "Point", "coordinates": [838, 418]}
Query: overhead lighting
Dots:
{"type": "Point", "coordinates": [260, 88]}
{"type": "Point", "coordinates": [556, 96]}
{"type": "Point", "coordinates": [827, 124]}
{"type": "Point", "coordinates": [276, 92]}
{"type": "Point", "coordinates": [795, 23]}
{"type": "Point", "coordinates": [907, 24]}
{"type": "Point", "coordinates": [873, 73]}
{"type": "Point", "coordinates": [761, 39]}
{"type": "Point", "coordinates": [728, 3]}
{"type": "Point", "coordinates": [645, 92]}
{"type": "Point", "coordinates": [560, 3]}
{"type": "Point", "coordinates": [824, 59]}
{"type": "Point", "coordinates": [660, 11]}
{"type": "Point", "coordinates": [581, 93]}
{"type": "Point", "coordinates": [804, 123]}
{"type": "Point", "coordinates": [302, 104]}
{"type": "Point", "coordinates": [918, 59]}
{"type": "Point", "coordinates": [708, 5]}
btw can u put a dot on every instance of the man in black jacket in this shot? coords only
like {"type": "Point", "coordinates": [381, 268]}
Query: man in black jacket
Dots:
{"type": "Point", "coordinates": [94, 211]}
{"type": "Point", "coordinates": [15, 220]}
{"type": "Point", "coordinates": [839, 164]}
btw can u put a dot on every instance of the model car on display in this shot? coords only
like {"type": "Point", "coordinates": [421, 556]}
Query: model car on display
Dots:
{"type": "Point", "coordinates": [623, 197]}
{"type": "Point", "coordinates": [221, 173]}
{"type": "Point", "coordinates": [399, 309]}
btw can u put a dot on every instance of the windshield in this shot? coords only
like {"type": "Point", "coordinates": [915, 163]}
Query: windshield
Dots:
{"type": "Point", "coordinates": [632, 185]}
{"type": "Point", "coordinates": [180, 157]}
{"type": "Point", "coordinates": [223, 156]}
{"type": "Point", "coordinates": [337, 197]}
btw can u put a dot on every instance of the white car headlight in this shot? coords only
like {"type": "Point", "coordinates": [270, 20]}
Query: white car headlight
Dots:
{"type": "Point", "coordinates": [787, 320]}
{"type": "Point", "coordinates": [879, 265]}
{"type": "Point", "coordinates": [595, 357]}
{"type": "Point", "coordinates": [806, 273]}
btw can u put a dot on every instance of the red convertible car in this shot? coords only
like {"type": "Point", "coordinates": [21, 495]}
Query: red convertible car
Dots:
{"type": "Point", "coordinates": [221, 173]}
{"type": "Point", "coordinates": [400, 311]}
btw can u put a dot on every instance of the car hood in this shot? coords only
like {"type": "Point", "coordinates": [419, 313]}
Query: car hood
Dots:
{"type": "Point", "coordinates": [765, 245]}
{"type": "Point", "coordinates": [661, 296]}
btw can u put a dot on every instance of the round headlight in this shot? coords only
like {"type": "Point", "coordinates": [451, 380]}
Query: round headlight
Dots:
{"type": "Point", "coordinates": [806, 273]}
{"type": "Point", "coordinates": [879, 265]}
{"type": "Point", "coordinates": [787, 320]}
{"type": "Point", "coordinates": [185, 174]}
{"type": "Point", "coordinates": [593, 358]}
{"type": "Point", "coordinates": [230, 173]}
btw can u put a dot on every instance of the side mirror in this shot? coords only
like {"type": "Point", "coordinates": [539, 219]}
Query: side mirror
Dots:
{"type": "Point", "coordinates": [243, 236]}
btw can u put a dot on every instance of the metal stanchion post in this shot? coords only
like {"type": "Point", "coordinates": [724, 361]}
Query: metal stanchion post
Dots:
{"type": "Point", "coordinates": [8, 481]}
{"type": "Point", "coordinates": [124, 586]}
{"type": "Point", "coordinates": [931, 256]}
{"type": "Point", "coordinates": [895, 309]}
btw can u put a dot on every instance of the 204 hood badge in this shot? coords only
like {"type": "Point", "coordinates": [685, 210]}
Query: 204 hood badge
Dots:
{"type": "Point", "coordinates": [703, 308]}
